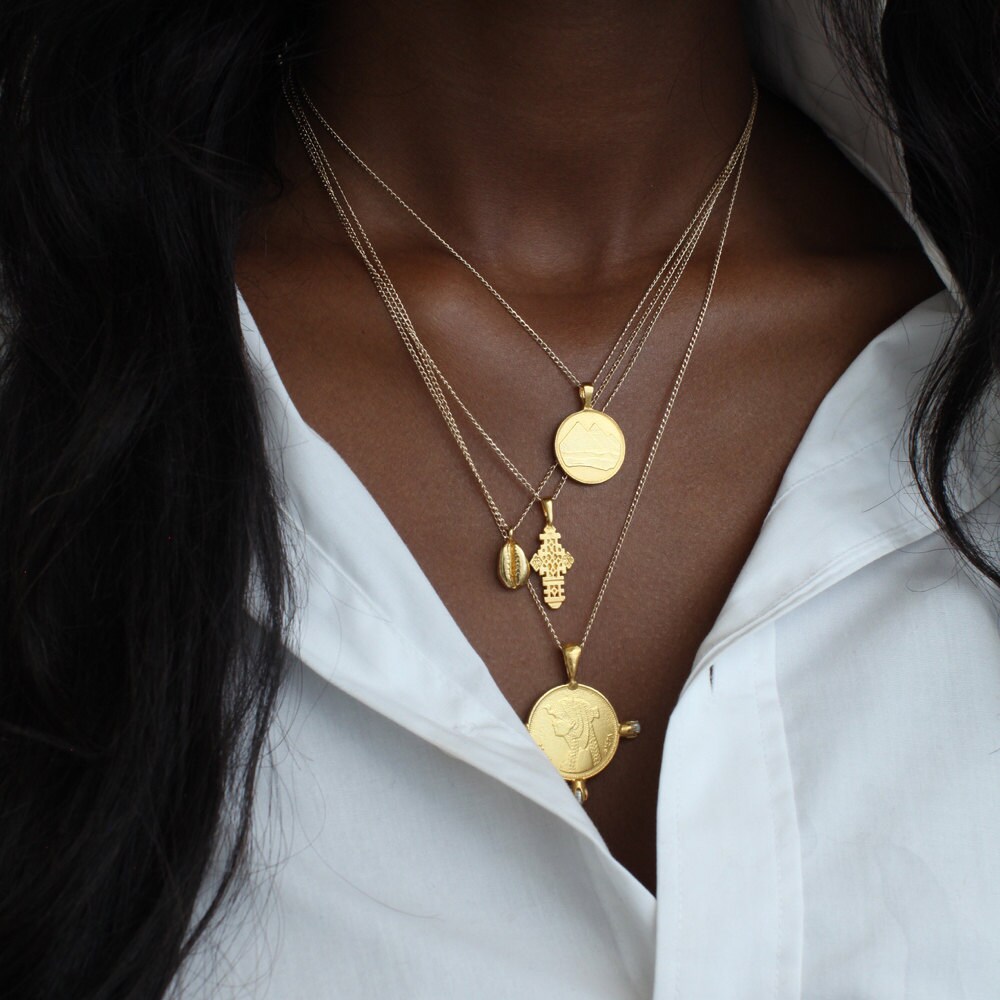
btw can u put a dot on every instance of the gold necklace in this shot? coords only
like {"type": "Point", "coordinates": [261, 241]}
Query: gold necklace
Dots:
{"type": "Point", "coordinates": [589, 444]}
{"type": "Point", "coordinates": [574, 724]}
{"type": "Point", "coordinates": [552, 561]}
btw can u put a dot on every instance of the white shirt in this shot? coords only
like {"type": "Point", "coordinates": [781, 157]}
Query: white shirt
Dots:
{"type": "Point", "coordinates": [829, 802]}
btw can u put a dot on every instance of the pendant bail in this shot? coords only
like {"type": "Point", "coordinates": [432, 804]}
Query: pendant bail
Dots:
{"type": "Point", "coordinates": [547, 510]}
{"type": "Point", "coordinates": [587, 395]}
{"type": "Point", "coordinates": [571, 657]}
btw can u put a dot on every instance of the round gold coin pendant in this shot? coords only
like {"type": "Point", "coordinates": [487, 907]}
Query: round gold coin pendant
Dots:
{"type": "Point", "coordinates": [577, 729]}
{"type": "Point", "coordinates": [589, 445]}
{"type": "Point", "coordinates": [513, 567]}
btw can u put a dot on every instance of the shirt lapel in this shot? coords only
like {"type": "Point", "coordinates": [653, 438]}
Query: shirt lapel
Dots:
{"type": "Point", "coordinates": [848, 496]}
{"type": "Point", "coordinates": [369, 621]}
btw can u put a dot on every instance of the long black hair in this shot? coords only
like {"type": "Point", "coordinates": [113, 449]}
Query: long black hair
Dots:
{"type": "Point", "coordinates": [143, 584]}
{"type": "Point", "coordinates": [139, 522]}
{"type": "Point", "coordinates": [932, 72]}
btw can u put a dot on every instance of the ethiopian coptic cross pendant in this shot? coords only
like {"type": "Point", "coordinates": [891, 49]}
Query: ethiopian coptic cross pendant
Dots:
{"type": "Point", "coordinates": [551, 562]}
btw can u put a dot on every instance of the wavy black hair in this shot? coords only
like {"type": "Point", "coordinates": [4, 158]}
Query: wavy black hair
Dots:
{"type": "Point", "coordinates": [931, 71]}
{"type": "Point", "coordinates": [138, 513]}
{"type": "Point", "coordinates": [143, 584]}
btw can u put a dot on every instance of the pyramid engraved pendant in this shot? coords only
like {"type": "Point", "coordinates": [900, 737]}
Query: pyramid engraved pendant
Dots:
{"type": "Point", "coordinates": [590, 446]}
{"type": "Point", "coordinates": [551, 562]}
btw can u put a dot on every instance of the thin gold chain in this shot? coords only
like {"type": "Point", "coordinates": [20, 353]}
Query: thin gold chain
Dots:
{"type": "Point", "coordinates": [431, 374]}
{"type": "Point", "coordinates": [668, 409]}
{"type": "Point", "coordinates": [557, 361]}
{"type": "Point", "coordinates": [413, 342]}
{"type": "Point", "coordinates": [425, 365]}
{"type": "Point", "coordinates": [654, 298]}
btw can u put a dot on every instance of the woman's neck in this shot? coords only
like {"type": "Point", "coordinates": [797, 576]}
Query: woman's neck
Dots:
{"type": "Point", "coordinates": [558, 137]}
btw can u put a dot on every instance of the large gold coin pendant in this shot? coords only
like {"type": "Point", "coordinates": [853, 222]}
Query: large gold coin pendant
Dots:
{"type": "Point", "coordinates": [577, 729]}
{"type": "Point", "coordinates": [590, 446]}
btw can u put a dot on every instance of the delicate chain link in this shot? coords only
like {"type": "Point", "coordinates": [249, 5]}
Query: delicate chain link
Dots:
{"type": "Point", "coordinates": [656, 294]}
{"type": "Point", "coordinates": [432, 375]}
{"type": "Point", "coordinates": [668, 409]}
{"type": "Point", "coordinates": [600, 385]}
{"type": "Point", "coordinates": [425, 365]}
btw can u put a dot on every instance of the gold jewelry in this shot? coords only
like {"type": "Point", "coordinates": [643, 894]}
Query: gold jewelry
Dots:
{"type": "Point", "coordinates": [508, 564]}
{"type": "Point", "coordinates": [551, 562]}
{"type": "Point", "coordinates": [511, 563]}
{"type": "Point", "coordinates": [575, 725]}
{"type": "Point", "coordinates": [578, 446]}
{"type": "Point", "coordinates": [512, 566]}
{"type": "Point", "coordinates": [589, 445]}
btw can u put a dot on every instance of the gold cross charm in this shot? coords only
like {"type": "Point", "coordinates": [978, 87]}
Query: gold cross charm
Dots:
{"type": "Point", "coordinates": [551, 562]}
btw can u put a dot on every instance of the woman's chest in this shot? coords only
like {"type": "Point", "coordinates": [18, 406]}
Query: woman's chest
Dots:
{"type": "Point", "coordinates": [826, 776]}
{"type": "Point", "coordinates": [643, 561]}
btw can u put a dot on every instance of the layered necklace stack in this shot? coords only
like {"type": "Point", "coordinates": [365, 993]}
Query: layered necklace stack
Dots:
{"type": "Point", "coordinates": [573, 723]}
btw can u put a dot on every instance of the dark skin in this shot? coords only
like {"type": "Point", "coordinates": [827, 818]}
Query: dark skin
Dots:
{"type": "Point", "coordinates": [562, 147]}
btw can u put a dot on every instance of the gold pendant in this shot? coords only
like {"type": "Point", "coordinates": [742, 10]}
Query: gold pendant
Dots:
{"type": "Point", "coordinates": [590, 446]}
{"type": "Point", "coordinates": [577, 727]}
{"type": "Point", "coordinates": [551, 562]}
{"type": "Point", "coordinates": [512, 566]}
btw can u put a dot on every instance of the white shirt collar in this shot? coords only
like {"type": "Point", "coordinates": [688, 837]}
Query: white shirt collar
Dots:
{"type": "Point", "coordinates": [370, 623]}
